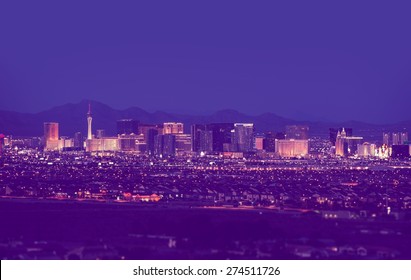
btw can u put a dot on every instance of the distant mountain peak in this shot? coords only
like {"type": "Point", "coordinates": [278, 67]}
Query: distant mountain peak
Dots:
{"type": "Point", "coordinates": [72, 118]}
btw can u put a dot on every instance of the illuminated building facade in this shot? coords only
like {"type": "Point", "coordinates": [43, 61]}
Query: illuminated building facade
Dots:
{"type": "Point", "coordinates": [173, 128]}
{"type": "Point", "coordinates": [346, 145]}
{"type": "Point", "coordinates": [66, 142]}
{"type": "Point", "coordinates": [334, 133]}
{"type": "Point", "coordinates": [291, 148]}
{"type": "Point", "coordinates": [386, 139]}
{"type": "Point", "coordinates": [107, 144]}
{"type": "Point", "coordinates": [51, 136]}
{"type": "Point", "coordinates": [259, 143]}
{"type": "Point", "coordinates": [366, 150]}
{"type": "Point", "coordinates": [395, 138]}
{"type": "Point", "coordinates": [243, 137]}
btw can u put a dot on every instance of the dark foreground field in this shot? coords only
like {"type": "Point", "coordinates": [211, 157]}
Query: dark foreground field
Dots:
{"type": "Point", "coordinates": [48, 229]}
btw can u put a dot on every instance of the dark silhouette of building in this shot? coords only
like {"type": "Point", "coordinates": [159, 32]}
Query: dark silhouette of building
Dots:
{"type": "Point", "coordinates": [78, 140]}
{"type": "Point", "coordinates": [127, 126]}
{"type": "Point", "coordinates": [221, 134]}
{"type": "Point", "coordinates": [269, 140]}
{"type": "Point", "coordinates": [400, 151]}
{"type": "Point", "coordinates": [150, 140]}
{"type": "Point", "coordinates": [1, 143]}
{"type": "Point", "coordinates": [334, 132]}
{"type": "Point", "coordinates": [201, 138]}
{"type": "Point", "coordinates": [297, 132]}
{"type": "Point", "coordinates": [145, 128]}
{"type": "Point", "coordinates": [165, 145]}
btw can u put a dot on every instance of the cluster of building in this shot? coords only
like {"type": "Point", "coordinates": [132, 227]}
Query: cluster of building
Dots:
{"type": "Point", "coordinates": [235, 140]}
{"type": "Point", "coordinates": [168, 139]}
{"type": "Point", "coordinates": [395, 145]}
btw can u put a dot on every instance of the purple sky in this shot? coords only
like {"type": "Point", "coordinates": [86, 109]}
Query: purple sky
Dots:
{"type": "Point", "coordinates": [337, 60]}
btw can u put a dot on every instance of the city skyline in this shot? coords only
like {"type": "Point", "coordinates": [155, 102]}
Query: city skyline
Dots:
{"type": "Point", "coordinates": [218, 130]}
{"type": "Point", "coordinates": [291, 59]}
{"type": "Point", "coordinates": [71, 119]}
{"type": "Point", "coordinates": [229, 138]}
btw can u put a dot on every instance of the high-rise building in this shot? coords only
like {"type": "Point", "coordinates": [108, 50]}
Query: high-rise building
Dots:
{"type": "Point", "coordinates": [106, 144]}
{"type": "Point", "coordinates": [101, 133]}
{"type": "Point", "coordinates": [150, 140]}
{"type": "Point", "coordinates": [404, 138]}
{"type": "Point", "coordinates": [297, 132]}
{"type": "Point", "coordinates": [131, 142]}
{"type": "Point", "coordinates": [346, 145]}
{"type": "Point", "coordinates": [333, 135]}
{"type": "Point", "coordinates": [334, 132]}
{"type": "Point", "coordinates": [1, 143]}
{"type": "Point", "coordinates": [201, 138]}
{"type": "Point", "coordinates": [127, 126]}
{"type": "Point", "coordinates": [206, 141]}
{"type": "Point", "coordinates": [51, 136]}
{"type": "Point", "coordinates": [386, 138]}
{"type": "Point", "coordinates": [269, 142]}
{"type": "Point", "coordinates": [366, 150]}
{"type": "Point", "coordinates": [396, 138]}
{"type": "Point", "coordinates": [182, 143]}
{"type": "Point", "coordinates": [221, 135]}
{"type": "Point", "coordinates": [259, 143]}
{"type": "Point", "coordinates": [145, 128]}
{"type": "Point", "coordinates": [196, 130]}
{"type": "Point", "coordinates": [173, 128]}
{"type": "Point", "coordinates": [51, 131]}
{"type": "Point", "coordinates": [78, 140]}
{"type": "Point", "coordinates": [291, 148]}
{"type": "Point", "coordinates": [165, 145]}
{"type": "Point", "coordinates": [242, 139]}
{"type": "Point", "coordinates": [66, 143]}
{"type": "Point", "coordinates": [169, 145]}
{"type": "Point", "coordinates": [89, 120]}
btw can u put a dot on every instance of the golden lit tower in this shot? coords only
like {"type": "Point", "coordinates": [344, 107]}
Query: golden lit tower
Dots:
{"type": "Point", "coordinates": [51, 136]}
{"type": "Point", "coordinates": [51, 131]}
{"type": "Point", "coordinates": [89, 119]}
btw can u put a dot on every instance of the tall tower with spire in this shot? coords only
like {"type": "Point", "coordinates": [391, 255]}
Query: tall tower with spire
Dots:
{"type": "Point", "coordinates": [89, 119]}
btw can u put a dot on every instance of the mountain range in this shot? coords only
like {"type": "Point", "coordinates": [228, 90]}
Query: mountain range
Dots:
{"type": "Point", "coordinates": [72, 118]}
